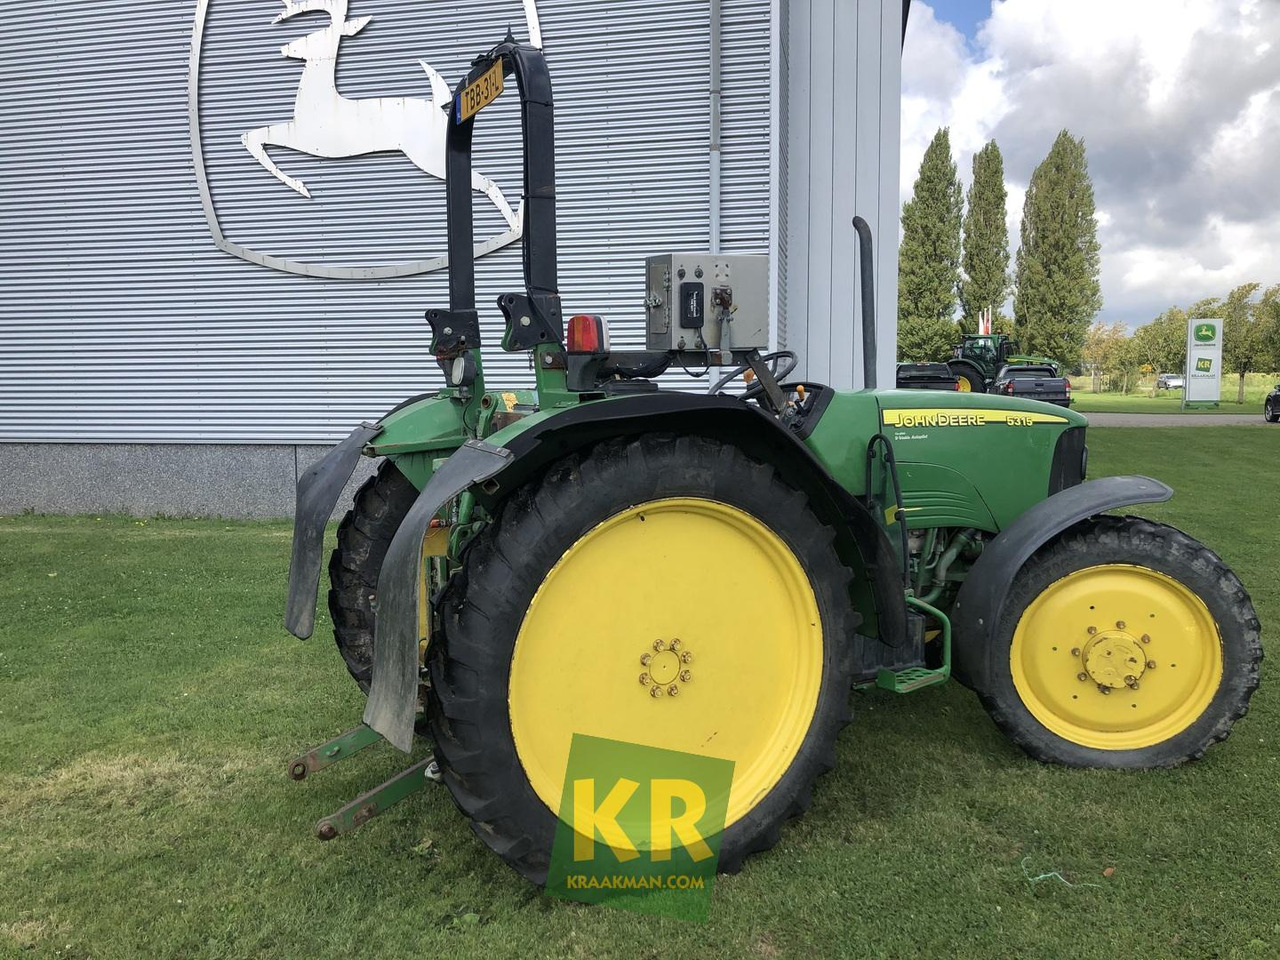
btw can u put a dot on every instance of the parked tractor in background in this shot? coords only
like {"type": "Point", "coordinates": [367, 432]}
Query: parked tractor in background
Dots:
{"type": "Point", "coordinates": [977, 358]}
{"type": "Point", "coordinates": [713, 573]}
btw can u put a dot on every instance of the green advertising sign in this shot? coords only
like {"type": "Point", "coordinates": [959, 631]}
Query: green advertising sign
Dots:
{"type": "Point", "coordinates": [1204, 365]}
{"type": "Point", "coordinates": [1205, 332]}
{"type": "Point", "coordinates": [639, 827]}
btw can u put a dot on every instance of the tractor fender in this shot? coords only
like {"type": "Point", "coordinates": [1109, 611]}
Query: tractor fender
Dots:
{"type": "Point", "coordinates": [393, 692]}
{"type": "Point", "coordinates": [976, 614]}
{"type": "Point", "coordinates": [318, 490]}
{"type": "Point", "coordinates": [537, 443]}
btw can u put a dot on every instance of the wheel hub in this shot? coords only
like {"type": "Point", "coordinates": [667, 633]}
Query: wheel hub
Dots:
{"type": "Point", "coordinates": [1115, 659]}
{"type": "Point", "coordinates": [666, 669]}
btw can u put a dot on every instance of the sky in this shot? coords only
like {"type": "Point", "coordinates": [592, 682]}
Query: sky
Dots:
{"type": "Point", "coordinates": [1178, 102]}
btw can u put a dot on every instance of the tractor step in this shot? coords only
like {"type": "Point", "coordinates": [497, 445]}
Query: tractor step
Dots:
{"type": "Point", "coordinates": [327, 754]}
{"type": "Point", "coordinates": [380, 799]}
{"type": "Point", "coordinates": [907, 679]}
{"type": "Point", "coordinates": [912, 678]}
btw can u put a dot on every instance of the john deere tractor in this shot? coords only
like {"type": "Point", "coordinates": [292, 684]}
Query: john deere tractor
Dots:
{"type": "Point", "coordinates": [714, 573]}
{"type": "Point", "coordinates": [978, 358]}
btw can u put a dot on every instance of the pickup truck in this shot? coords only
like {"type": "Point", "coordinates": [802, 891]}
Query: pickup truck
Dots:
{"type": "Point", "coordinates": [926, 376]}
{"type": "Point", "coordinates": [1032, 382]}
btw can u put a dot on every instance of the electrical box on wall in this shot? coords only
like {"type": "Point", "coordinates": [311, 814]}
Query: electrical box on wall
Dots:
{"type": "Point", "coordinates": [707, 302]}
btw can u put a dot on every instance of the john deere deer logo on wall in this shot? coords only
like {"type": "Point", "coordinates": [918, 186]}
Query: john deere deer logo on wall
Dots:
{"type": "Point", "coordinates": [327, 125]}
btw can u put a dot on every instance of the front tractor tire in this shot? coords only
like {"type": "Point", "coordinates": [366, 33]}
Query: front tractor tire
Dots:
{"type": "Point", "coordinates": [364, 535]}
{"type": "Point", "coordinates": [1123, 644]}
{"type": "Point", "coordinates": [659, 590]}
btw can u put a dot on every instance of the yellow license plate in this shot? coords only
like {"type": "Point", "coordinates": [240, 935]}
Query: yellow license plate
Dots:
{"type": "Point", "coordinates": [480, 93]}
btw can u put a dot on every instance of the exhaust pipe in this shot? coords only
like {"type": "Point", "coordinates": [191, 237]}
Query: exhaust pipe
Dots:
{"type": "Point", "coordinates": [865, 276]}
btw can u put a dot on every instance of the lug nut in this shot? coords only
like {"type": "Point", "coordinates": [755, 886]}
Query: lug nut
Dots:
{"type": "Point", "coordinates": [675, 644]}
{"type": "Point", "coordinates": [659, 646]}
{"type": "Point", "coordinates": [1082, 676]}
{"type": "Point", "coordinates": [1151, 664]}
{"type": "Point", "coordinates": [686, 657]}
{"type": "Point", "coordinates": [1092, 630]}
{"type": "Point", "coordinates": [655, 691]}
{"type": "Point", "coordinates": [1103, 688]}
{"type": "Point", "coordinates": [686, 675]}
{"type": "Point", "coordinates": [644, 679]}
{"type": "Point", "coordinates": [1146, 638]}
{"type": "Point", "coordinates": [1131, 682]}
{"type": "Point", "coordinates": [1075, 651]}
{"type": "Point", "coordinates": [673, 690]}
{"type": "Point", "coordinates": [1119, 624]}
{"type": "Point", "coordinates": [644, 660]}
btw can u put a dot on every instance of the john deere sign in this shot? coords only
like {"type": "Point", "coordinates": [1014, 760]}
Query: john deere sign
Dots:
{"type": "Point", "coordinates": [1204, 362]}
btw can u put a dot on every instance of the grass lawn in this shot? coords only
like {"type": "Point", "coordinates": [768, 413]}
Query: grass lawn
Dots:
{"type": "Point", "coordinates": [149, 698]}
{"type": "Point", "coordinates": [1257, 386]}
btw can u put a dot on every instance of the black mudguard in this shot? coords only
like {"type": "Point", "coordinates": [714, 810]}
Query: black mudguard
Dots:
{"type": "Point", "coordinates": [393, 693]}
{"type": "Point", "coordinates": [977, 610]}
{"type": "Point", "coordinates": [318, 490]}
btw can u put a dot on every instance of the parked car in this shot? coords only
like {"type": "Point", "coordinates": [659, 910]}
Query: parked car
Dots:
{"type": "Point", "coordinates": [1033, 382]}
{"type": "Point", "coordinates": [1169, 381]}
{"type": "Point", "coordinates": [1271, 406]}
{"type": "Point", "coordinates": [926, 376]}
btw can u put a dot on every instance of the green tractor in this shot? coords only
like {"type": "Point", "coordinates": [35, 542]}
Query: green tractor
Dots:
{"type": "Point", "coordinates": [714, 573]}
{"type": "Point", "coordinates": [979, 356]}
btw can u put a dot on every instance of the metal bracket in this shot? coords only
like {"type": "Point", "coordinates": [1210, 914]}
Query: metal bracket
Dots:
{"type": "Point", "coordinates": [453, 331]}
{"type": "Point", "coordinates": [530, 320]}
{"type": "Point", "coordinates": [379, 800]}
{"type": "Point", "coordinates": [327, 754]}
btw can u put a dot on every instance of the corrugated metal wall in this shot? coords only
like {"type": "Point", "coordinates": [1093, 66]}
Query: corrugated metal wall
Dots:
{"type": "Point", "coordinates": [121, 321]}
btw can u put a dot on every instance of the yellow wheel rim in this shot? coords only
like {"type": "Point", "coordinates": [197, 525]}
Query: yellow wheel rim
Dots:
{"type": "Point", "coordinates": [690, 597]}
{"type": "Point", "coordinates": [1116, 657]}
{"type": "Point", "coordinates": [963, 384]}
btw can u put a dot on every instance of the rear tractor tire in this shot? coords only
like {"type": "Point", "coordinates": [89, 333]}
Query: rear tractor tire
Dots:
{"type": "Point", "coordinates": [968, 378]}
{"type": "Point", "coordinates": [659, 590]}
{"type": "Point", "coordinates": [1124, 644]}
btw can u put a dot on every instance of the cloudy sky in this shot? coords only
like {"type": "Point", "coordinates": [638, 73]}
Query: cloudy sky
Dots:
{"type": "Point", "coordinates": [1178, 102]}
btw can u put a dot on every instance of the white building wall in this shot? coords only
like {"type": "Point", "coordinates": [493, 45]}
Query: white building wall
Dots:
{"type": "Point", "coordinates": [843, 121]}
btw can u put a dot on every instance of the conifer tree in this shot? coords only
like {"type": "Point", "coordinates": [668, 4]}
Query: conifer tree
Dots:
{"type": "Point", "coordinates": [1058, 292]}
{"type": "Point", "coordinates": [929, 257]}
{"type": "Point", "coordinates": [986, 239]}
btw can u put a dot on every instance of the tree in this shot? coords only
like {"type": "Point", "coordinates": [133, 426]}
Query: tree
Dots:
{"type": "Point", "coordinates": [929, 257]}
{"type": "Point", "coordinates": [1126, 362]}
{"type": "Point", "coordinates": [1100, 346]}
{"type": "Point", "coordinates": [986, 239]}
{"type": "Point", "coordinates": [1244, 347]}
{"type": "Point", "coordinates": [1268, 311]}
{"type": "Point", "coordinates": [1162, 343]}
{"type": "Point", "coordinates": [1058, 292]}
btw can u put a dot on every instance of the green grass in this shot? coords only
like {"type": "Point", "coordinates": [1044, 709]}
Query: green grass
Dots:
{"type": "Point", "coordinates": [1257, 386]}
{"type": "Point", "coordinates": [149, 699]}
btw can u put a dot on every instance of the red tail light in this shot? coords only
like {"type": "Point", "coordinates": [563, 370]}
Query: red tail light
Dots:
{"type": "Point", "coordinates": [1008, 388]}
{"type": "Point", "coordinates": [588, 334]}
{"type": "Point", "coordinates": [1068, 386]}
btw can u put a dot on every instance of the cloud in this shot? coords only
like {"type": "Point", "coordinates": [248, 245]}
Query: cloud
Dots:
{"type": "Point", "coordinates": [1178, 102]}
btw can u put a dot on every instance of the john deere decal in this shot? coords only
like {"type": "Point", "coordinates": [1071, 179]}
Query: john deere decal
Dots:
{"type": "Point", "coordinates": [955, 417]}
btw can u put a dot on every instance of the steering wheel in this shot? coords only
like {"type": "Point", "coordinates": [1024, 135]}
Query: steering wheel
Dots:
{"type": "Point", "coordinates": [781, 363]}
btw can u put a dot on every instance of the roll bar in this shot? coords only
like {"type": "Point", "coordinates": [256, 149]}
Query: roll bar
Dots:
{"type": "Point", "coordinates": [533, 317]}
